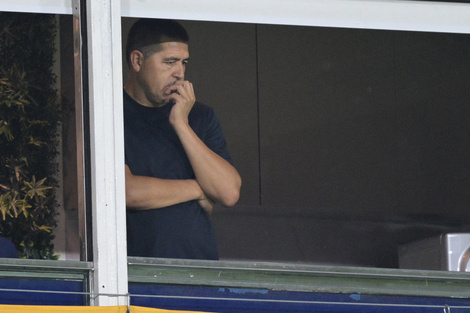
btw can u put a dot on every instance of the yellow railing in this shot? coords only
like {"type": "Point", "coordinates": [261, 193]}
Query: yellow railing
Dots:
{"type": "Point", "coordinates": [84, 309]}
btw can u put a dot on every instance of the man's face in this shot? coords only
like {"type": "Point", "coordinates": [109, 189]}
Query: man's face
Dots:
{"type": "Point", "coordinates": [161, 70]}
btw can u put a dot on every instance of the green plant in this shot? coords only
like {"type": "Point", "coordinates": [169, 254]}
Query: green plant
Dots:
{"type": "Point", "coordinates": [29, 119]}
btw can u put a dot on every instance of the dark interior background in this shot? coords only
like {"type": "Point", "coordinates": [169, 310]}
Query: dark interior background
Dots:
{"type": "Point", "coordinates": [350, 142]}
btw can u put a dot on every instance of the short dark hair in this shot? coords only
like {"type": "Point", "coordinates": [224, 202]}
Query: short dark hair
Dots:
{"type": "Point", "coordinates": [146, 32]}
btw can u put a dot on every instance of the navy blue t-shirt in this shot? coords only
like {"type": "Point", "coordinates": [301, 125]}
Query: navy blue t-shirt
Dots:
{"type": "Point", "coordinates": [152, 148]}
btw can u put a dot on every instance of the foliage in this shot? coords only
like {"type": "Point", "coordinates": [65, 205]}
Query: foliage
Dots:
{"type": "Point", "coordinates": [29, 118]}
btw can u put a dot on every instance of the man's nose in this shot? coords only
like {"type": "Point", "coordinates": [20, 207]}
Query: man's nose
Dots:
{"type": "Point", "coordinates": [179, 71]}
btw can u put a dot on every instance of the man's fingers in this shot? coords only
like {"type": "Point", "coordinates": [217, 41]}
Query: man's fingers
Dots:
{"type": "Point", "coordinates": [181, 91]}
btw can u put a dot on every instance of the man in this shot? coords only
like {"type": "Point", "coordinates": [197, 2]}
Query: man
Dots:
{"type": "Point", "coordinates": [177, 164]}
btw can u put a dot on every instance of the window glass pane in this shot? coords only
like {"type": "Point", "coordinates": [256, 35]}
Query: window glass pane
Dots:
{"type": "Point", "coordinates": [351, 143]}
{"type": "Point", "coordinates": [38, 155]}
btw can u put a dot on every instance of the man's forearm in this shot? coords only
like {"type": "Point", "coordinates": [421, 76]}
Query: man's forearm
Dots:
{"type": "Point", "coordinates": [217, 177]}
{"type": "Point", "coordinates": [144, 193]}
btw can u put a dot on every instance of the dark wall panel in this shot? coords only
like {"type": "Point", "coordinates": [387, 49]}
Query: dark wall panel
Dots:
{"type": "Point", "coordinates": [433, 96]}
{"type": "Point", "coordinates": [344, 120]}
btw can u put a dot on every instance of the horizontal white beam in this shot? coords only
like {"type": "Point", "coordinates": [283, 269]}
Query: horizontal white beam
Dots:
{"type": "Point", "coordinates": [37, 6]}
{"type": "Point", "coordinates": [373, 14]}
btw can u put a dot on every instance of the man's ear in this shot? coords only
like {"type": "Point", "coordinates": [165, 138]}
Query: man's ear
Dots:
{"type": "Point", "coordinates": [136, 58]}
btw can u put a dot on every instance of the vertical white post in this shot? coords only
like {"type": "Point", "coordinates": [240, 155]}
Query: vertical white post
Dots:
{"type": "Point", "coordinates": [107, 152]}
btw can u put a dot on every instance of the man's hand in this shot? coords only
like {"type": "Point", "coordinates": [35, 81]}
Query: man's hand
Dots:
{"type": "Point", "coordinates": [181, 94]}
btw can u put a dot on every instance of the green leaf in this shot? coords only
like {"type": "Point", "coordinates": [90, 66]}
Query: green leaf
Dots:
{"type": "Point", "coordinates": [5, 200]}
{"type": "Point", "coordinates": [36, 189]}
{"type": "Point", "coordinates": [6, 130]}
{"type": "Point", "coordinates": [35, 142]}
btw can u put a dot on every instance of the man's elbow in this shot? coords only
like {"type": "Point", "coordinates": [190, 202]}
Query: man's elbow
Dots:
{"type": "Point", "coordinates": [131, 199]}
{"type": "Point", "coordinates": [231, 198]}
